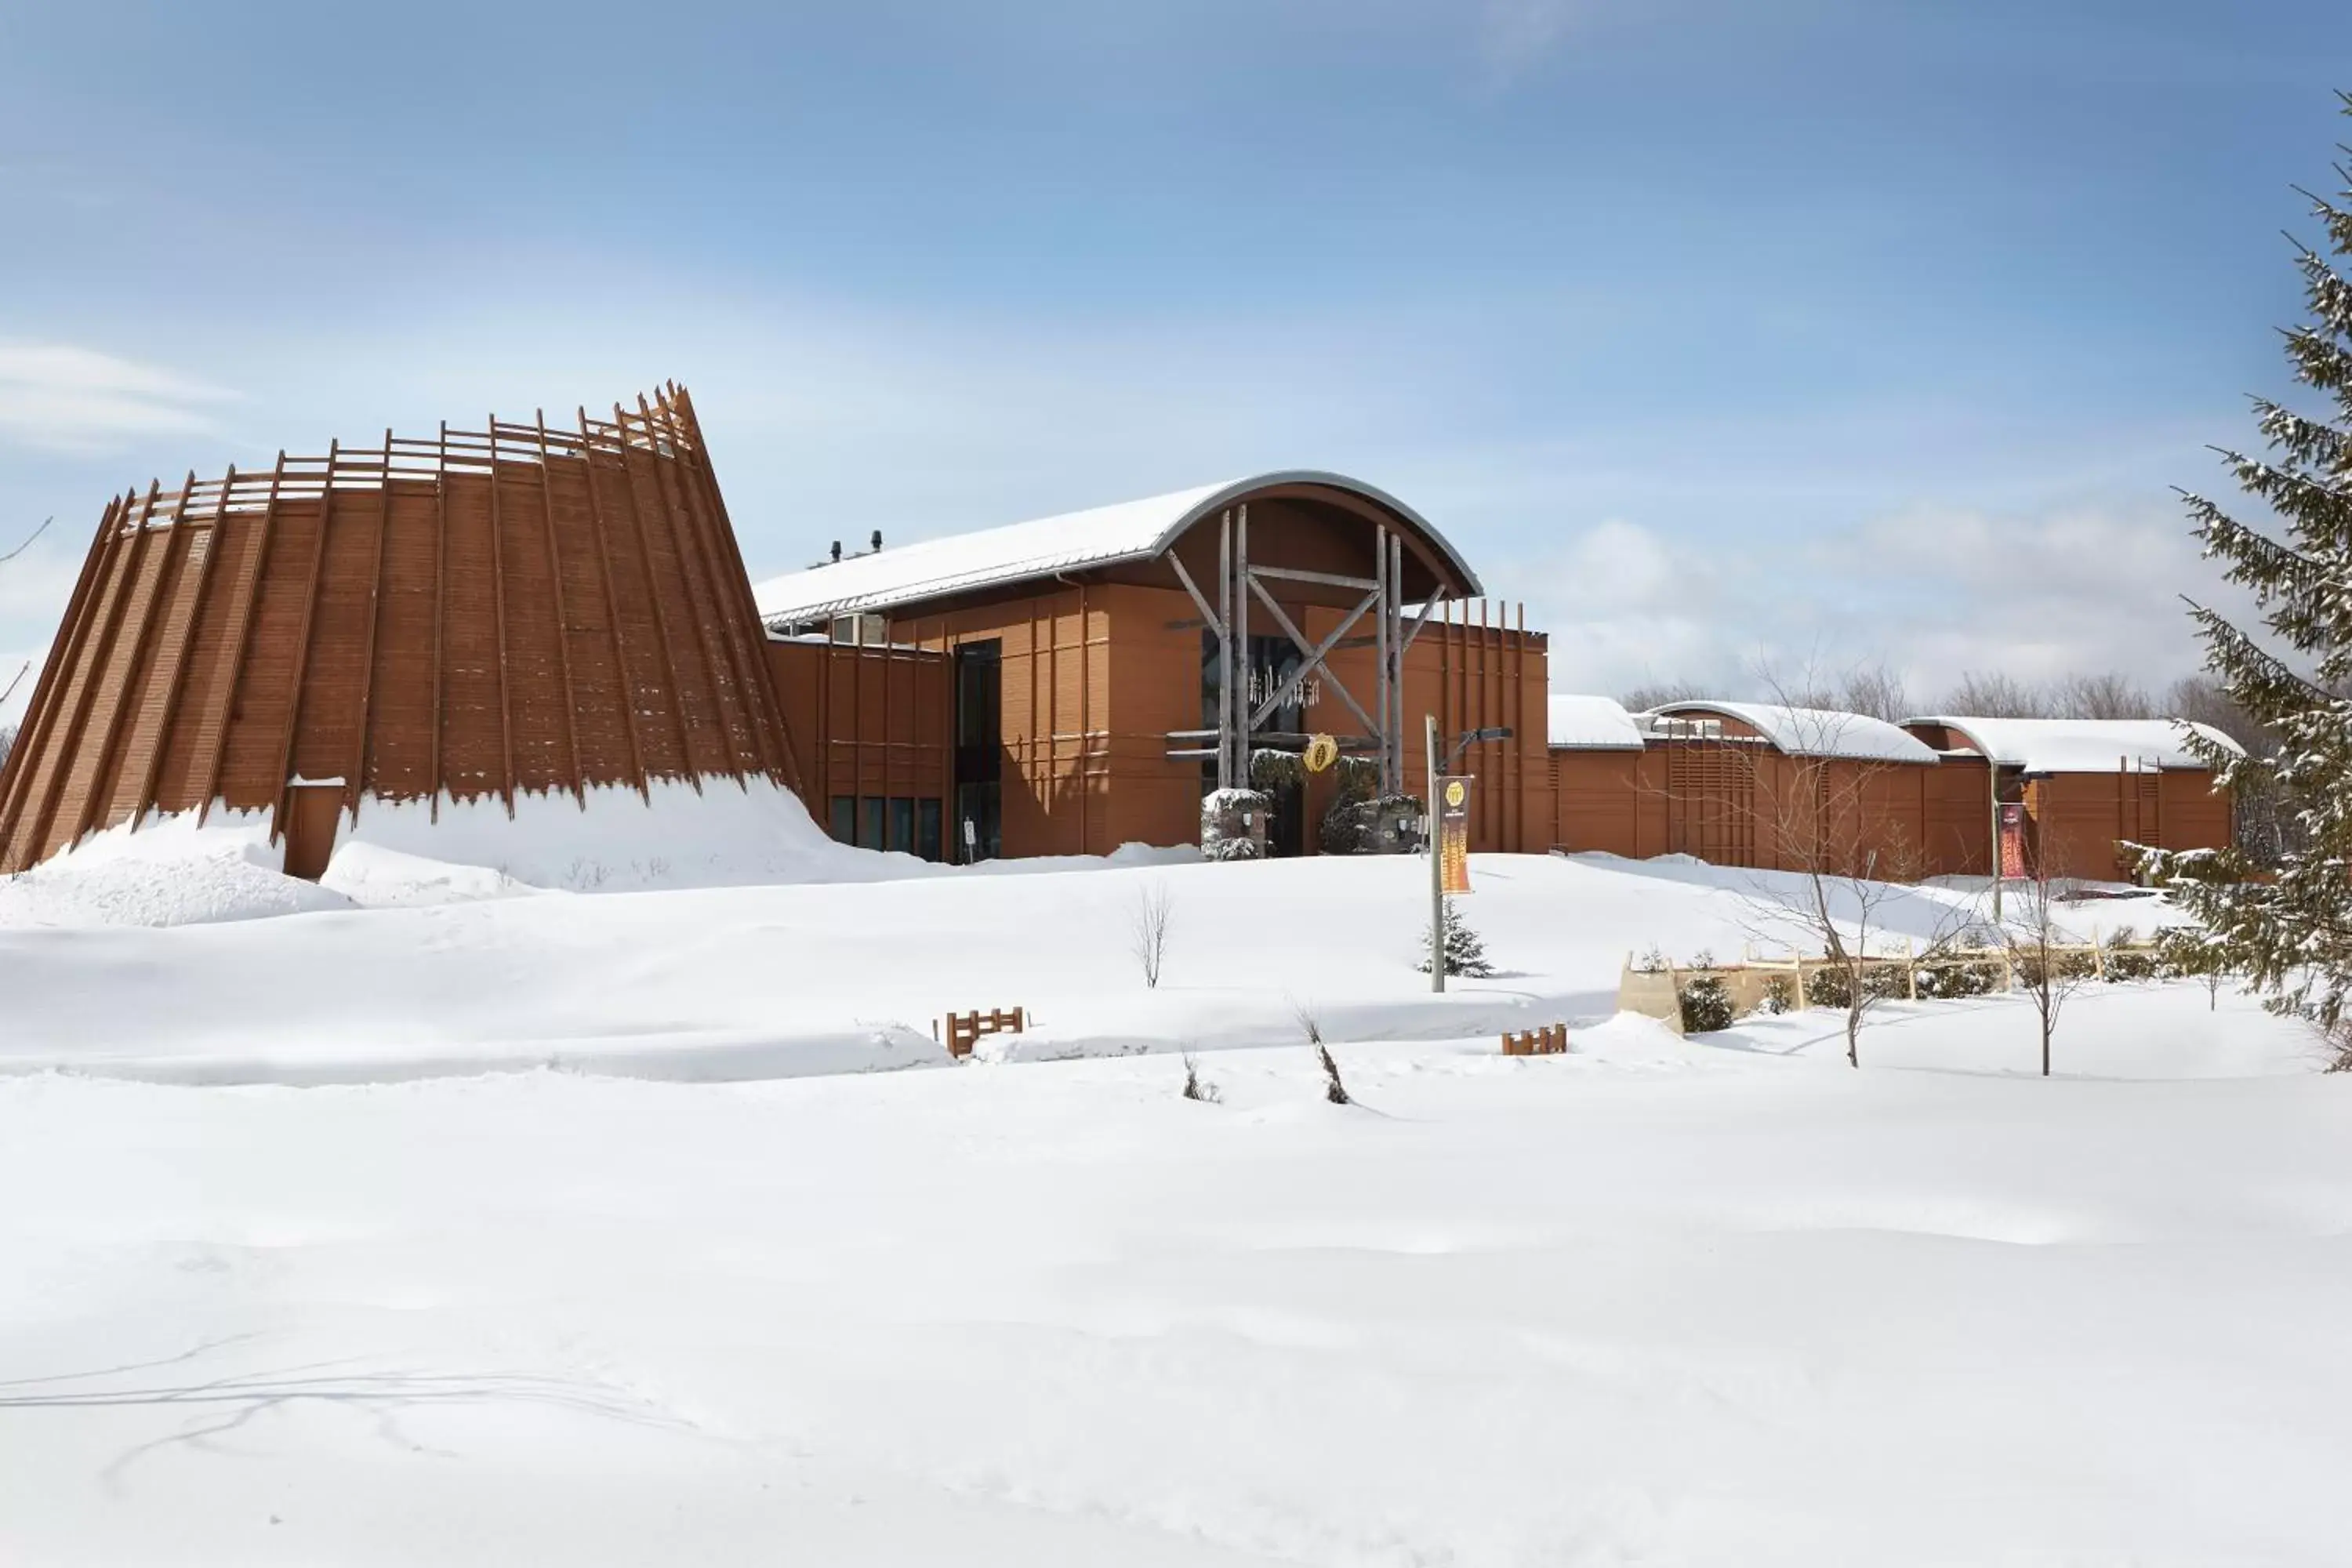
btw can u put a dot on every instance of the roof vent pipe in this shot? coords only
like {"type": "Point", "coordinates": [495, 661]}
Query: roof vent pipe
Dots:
{"type": "Point", "coordinates": [877, 541]}
{"type": "Point", "coordinates": [836, 550]}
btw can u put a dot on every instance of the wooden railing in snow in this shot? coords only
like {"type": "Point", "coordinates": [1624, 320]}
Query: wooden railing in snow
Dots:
{"type": "Point", "coordinates": [965, 1029]}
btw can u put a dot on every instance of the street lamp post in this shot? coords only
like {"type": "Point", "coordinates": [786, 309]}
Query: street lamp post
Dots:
{"type": "Point", "coordinates": [1436, 869]}
{"type": "Point", "coordinates": [1438, 768]}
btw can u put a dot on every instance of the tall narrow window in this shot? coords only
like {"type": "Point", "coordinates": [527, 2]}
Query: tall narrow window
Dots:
{"type": "Point", "coordinates": [979, 750]}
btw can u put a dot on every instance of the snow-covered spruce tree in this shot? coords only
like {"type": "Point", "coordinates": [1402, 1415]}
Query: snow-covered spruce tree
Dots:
{"type": "Point", "coordinates": [1466, 950]}
{"type": "Point", "coordinates": [2291, 939]}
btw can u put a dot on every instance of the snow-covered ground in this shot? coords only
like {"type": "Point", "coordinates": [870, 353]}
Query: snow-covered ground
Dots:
{"type": "Point", "coordinates": [1716, 1301]}
{"type": "Point", "coordinates": [824, 977]}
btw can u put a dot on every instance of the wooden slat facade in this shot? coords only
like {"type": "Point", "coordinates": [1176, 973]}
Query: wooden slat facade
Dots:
{"type": "Point", "coordinates": [516, 610]}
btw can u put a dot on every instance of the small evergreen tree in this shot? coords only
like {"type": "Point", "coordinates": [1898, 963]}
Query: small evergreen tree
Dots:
{"type": "Point", "coordinates": [1465, 951]}
{"type": "Point", "coordinates": [1706, 1001]}
{"type": "Point", "coordinates": [2291, 939]}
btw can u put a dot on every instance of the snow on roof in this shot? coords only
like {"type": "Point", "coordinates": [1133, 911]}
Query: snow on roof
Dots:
{"type": "Point", "coordinates": [1590, 724]}
{"type": "Point", "coordinates": [1129, 531]}
{"type": "Point", "coordinates": [2080, 745]}
{"type": "Point", "coordinates": [1817, 731]}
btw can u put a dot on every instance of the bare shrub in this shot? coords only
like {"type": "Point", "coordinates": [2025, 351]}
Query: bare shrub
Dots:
{"type": "Point", "coordinates": [1155, 909]}
{"type": "Point", "coordinates": [1207, 1093]}
{"type": "Point", "coordinates": [2045, 972]}
{"type": "Point", "coordinates": [1334, 1089]}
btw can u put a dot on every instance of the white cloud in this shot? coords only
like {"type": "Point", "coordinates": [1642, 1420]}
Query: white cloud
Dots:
{"type": "Point", "coordinates": [71, 399]}
{"type": "Point", "coordinates": [1626, 607]}
{"type": "Point", "coordinates": [1931, 592]}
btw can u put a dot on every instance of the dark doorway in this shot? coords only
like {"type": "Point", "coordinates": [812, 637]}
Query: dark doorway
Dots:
{"type": "Point", "coordinates": [979, 750]}
{"type": "Point", "coordinates": [1270, 663]}
{"type": "Point", "coordinates": [314, 812]}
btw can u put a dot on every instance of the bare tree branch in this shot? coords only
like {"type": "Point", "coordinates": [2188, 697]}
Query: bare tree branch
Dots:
{"type": "Point", "coordinates": [27, 544]}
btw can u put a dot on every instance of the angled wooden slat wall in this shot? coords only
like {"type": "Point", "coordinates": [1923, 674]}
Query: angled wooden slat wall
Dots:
{"type": "Point", "coordinates": [471, 615]}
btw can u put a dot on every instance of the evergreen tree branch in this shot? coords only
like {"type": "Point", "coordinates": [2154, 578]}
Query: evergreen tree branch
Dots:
{"type": "Point", "coordinates": [2310, 442]}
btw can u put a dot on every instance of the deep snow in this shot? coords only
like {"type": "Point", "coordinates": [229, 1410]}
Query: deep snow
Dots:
{"type": "Point", "coordinates": [779, 980]}
{"type": "Point", "coordinates": [1655, 1302]}
{"type": "Point", "coordinates": [1723, 1301]}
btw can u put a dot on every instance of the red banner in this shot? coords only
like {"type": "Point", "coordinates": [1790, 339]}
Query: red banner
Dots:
{"type": "Point", "coordinates": [2012, 839]}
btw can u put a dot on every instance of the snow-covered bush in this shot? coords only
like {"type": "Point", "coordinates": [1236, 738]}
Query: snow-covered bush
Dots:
{"type": "Point", "coordinates": [1779, 994]}
{"type": "Point", "coordinates": [1380, 826]}
{"type": "Point", "coordinates": [1832, 986]}
{"type": "Point", "coordinates": [1270, 769]}
{"type": "Point", "coordinates": [2126, 959]}
{"type": "Point", "coordinates": [1233, 823]}
{"type": "Point", "coordinates": [1706, 1001]}
{"type": "Point", "coordinates": [1948, 980]}
{"type": "Point", "coordinates": [2066, 967]}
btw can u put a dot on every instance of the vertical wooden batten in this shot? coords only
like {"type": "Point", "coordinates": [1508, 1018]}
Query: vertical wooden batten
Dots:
{"type": "Point", "coordinates": [627, 682]}
{"type": "Point", "coordinates": [710, 684]}
{"type": "Point", "coordinates": [41, 708]}
{"type": "Point", "coordinates": [302, 661]}
{"type": "Point", "coordinates": [120, 711]}
{"type": "Point", "coordinates": [119, 584]}
{"type": "Point", "coordinates": [359, 770]}
{"type": "Point", "coordinates": [440, 573]}
{"type": "Point", "coordinates": [498, 610]}
{"type": "Point", "coordinates": [675, 697]}
{"type": "Point", "coordinates": [562, 631]}
{"type": "Point", "coordinates": [177, 681]}
{"type": "Point", "coordinates": [678, 502]}
{"type": "Point", "coordinates": [248, 595]}
{"type": "Point", "coordinates": [699, 470]}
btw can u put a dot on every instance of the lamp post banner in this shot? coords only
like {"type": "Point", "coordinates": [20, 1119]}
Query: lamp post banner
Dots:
{"type": "Point", "coordinates": [2012, 839]}
{"type": "Point", "coordinates": [1454, 832]}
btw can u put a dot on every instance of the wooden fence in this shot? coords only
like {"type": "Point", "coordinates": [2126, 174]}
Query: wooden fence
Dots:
{"type": "Point", "coordinates": [1551, 1040]}
{"type": "Point", "coordinates": [965, 1029]}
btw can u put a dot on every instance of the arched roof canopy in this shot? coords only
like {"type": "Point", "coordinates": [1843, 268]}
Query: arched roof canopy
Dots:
{"type": "Point", "coordinates": [2079, 745]}
{"type": "Point", "coordinates": [1300, 517]}
{"type": "Point", "coordinates": [1812, 732]}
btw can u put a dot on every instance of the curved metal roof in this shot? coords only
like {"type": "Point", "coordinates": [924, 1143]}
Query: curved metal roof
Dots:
{"type": "Point", "coordinates": [1575, 723]}
{"type": "Point", "coordinates": [1100, 536]}
{"type": "Point", "coordinates": [2081, 746]}
{"type": "Point", "coordinates": [1817, 731]}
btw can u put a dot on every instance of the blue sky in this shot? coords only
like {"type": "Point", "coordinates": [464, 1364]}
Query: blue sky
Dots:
{"type": "Point", "coordinates": [1827, 331]}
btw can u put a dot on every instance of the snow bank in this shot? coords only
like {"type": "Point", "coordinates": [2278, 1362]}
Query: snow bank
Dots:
{"type": "Point", "coordinates": [1652, 1302]}
{"type": "Point", "coordinates": [793, 979]}
{"type": "Point", "coordinates": [719, 834]}
{"type": "Point", "coordinates": [397, 855]}
{"type": "Point", "coordinates": [170, 873]}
